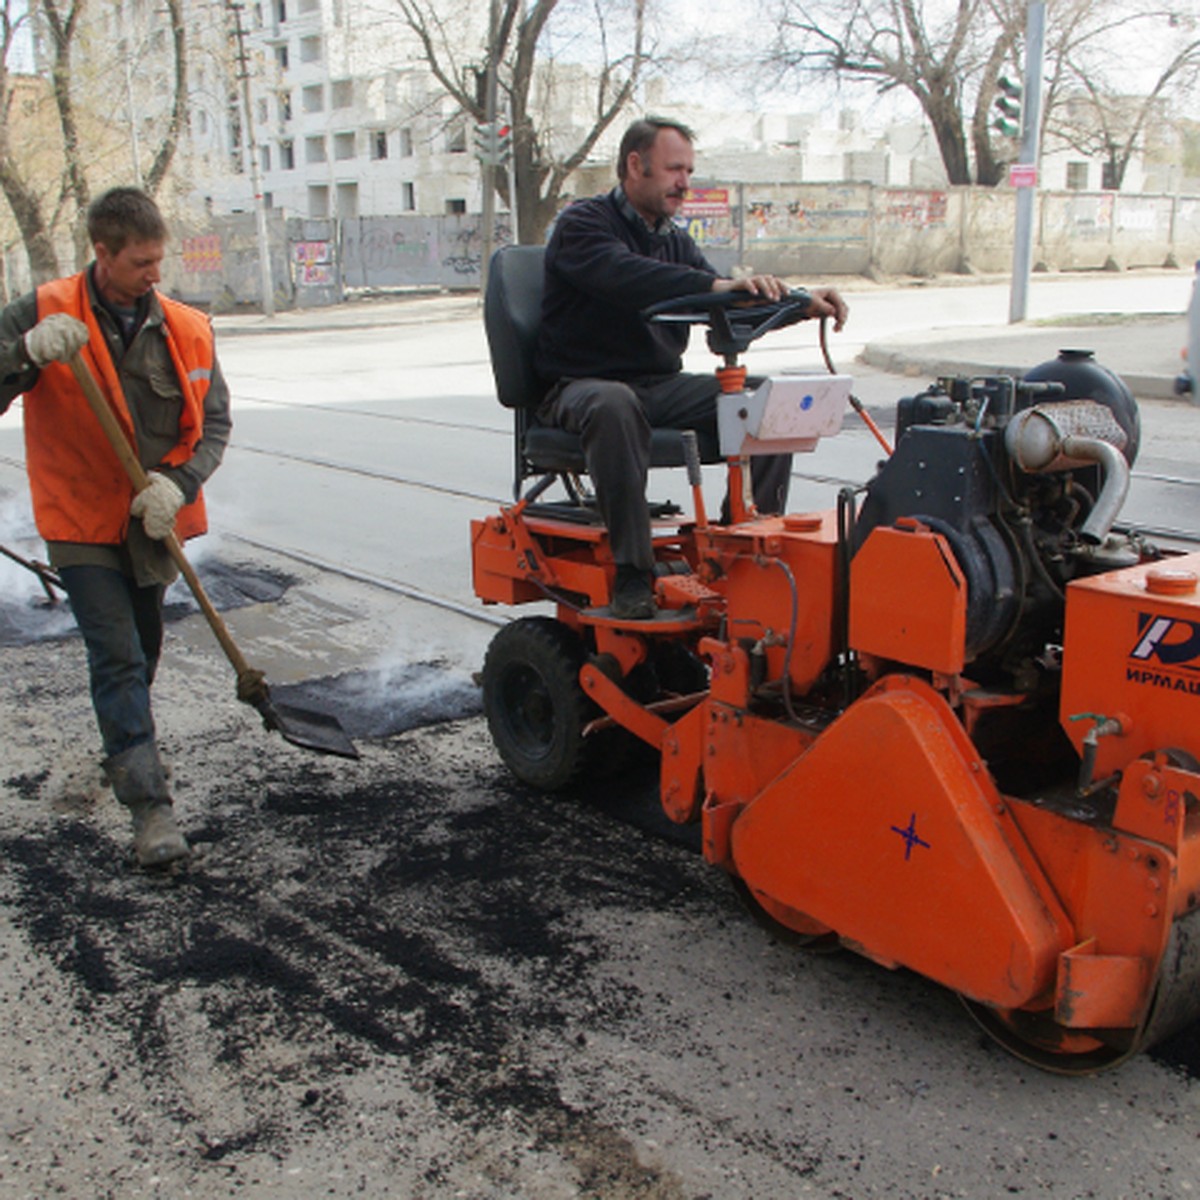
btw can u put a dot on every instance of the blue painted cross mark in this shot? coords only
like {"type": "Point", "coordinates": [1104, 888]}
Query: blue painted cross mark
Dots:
{"type": "Point", "coordinates": [910, 837]}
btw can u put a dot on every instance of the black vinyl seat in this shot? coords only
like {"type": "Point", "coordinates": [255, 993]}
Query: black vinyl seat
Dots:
{"type": "Point", "coordinates": [512, 312]}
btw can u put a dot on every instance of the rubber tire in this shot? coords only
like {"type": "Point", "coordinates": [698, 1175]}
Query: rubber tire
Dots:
{"type": "Point", "coordinates": [535, 707]}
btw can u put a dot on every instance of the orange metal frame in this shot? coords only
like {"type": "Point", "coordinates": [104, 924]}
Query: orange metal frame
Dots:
{"type": "Point", "coordinates": [881, 820]}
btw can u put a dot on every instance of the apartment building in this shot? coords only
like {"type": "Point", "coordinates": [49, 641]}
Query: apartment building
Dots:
{"type": "Point", "coordinates": [346, 118]}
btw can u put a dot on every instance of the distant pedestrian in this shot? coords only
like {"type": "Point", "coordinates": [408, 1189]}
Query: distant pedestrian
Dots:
{"type": "Point", "coordinates": [155, 361]}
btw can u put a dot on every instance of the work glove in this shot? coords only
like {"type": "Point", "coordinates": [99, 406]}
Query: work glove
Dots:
{"type": "Point", "coordinates": [157, 504]}
{"type": "Point", "coordinates": [55, 338]}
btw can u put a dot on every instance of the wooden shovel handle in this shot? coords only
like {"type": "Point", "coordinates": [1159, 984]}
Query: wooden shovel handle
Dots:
{"type": "Point", "coordinates": [137, 476]}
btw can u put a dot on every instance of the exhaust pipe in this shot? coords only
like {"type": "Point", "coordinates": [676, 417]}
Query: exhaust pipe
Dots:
{"type": "Point", "coordinates": [1074, 433]}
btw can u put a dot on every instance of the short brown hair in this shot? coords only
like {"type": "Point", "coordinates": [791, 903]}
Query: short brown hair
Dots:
{"type": "Point", "coordinates": [639, 137]}
{"type": "Point", "coordinates": [124, 214]}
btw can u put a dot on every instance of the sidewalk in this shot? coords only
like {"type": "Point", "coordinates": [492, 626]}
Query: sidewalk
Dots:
{"type": "Point", "coordinates": [1143, 350]}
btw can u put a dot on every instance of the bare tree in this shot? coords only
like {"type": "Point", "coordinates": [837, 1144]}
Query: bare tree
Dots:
{"type": "Point", "coordinates": [533, 183]}
{"type": "Point", "coordinates": [177, 120]}
{"type": "Point", "coordinates": [949, 58]}
{"type": "Point", "coordinates": [1093, 105]}
{"type": "Point", "coordinates": [86, 138]}
{"type": "Point", "coordinates": [949, 64]}
{"type": "Point", "coordinates": [24, 199]}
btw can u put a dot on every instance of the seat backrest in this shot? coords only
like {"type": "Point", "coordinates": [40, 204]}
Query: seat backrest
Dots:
{"type": "Point", "coordinates": [512, 311]}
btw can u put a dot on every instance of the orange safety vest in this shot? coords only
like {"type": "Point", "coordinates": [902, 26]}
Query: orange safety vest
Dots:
{"type": "Point", "coordinates": [81, 492]}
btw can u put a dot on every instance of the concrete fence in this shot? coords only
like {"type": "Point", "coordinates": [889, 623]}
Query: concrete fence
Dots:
{"type": "Point", "coordinates": [809, 231]}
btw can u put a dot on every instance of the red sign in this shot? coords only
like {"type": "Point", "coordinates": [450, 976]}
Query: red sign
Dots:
{"type": "Point", "coordinates": [1023, 175]}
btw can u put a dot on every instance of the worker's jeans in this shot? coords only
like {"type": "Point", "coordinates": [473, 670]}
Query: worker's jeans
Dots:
{"type": "Point", "coordinates": [614, 421]}
{"type": "Point", "coordinates": [122, 629]}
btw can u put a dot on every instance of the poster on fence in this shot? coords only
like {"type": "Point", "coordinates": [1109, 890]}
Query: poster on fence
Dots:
{"type": "Point", "coordinates": [312, 263]}
{"type": "Point", "coordinates": [705, 214]}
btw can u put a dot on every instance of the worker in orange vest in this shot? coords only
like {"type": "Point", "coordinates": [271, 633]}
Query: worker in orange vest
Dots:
{"type": "Point", "coordinates": [155, 362]}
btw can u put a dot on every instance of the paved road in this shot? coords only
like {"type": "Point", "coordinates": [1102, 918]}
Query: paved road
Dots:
{"type": "Point", "coordinates": [408, 976]}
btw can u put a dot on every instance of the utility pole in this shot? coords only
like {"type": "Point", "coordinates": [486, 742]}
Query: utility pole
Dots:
{"type": "Point", "coordinates": [1025, 173]}
{"type": "Point", "coordinates": [266, 283]}
{"type": "Point", "coordinates": [488, 163]}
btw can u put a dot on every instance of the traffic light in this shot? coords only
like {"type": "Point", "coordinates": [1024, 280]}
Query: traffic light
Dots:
{"type": "Point", "coordinates": [493, 143]}
{"type": "Point", "coordinates": [485, 143]}
{"type": "Point", "coordinates": [1009, 104]}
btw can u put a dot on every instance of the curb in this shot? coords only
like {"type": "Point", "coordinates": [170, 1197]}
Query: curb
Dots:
{"type": "Point", "coordinates": [941, 362]}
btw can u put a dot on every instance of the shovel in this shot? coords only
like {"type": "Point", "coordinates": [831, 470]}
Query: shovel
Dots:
{"type": "Point", "coordinates": [303, 727]}
{"type": "Point", "coordinates": [46, 577]}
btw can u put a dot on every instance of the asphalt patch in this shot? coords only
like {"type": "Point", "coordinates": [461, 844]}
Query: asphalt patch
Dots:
{"type": "Point", "coordinates": [228, 585]}
{"type": "Point", "coordinates": [382, 702]}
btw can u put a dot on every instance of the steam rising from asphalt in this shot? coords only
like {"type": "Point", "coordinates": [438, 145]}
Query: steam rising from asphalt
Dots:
{"type": "Point", "coordinates": [411, 686]}
{"type": "Point", "coordinates": [26, 614]}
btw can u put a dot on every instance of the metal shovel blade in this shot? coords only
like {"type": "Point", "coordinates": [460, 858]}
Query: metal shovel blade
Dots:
{"type": "Point", "coordinates": [306, 728]}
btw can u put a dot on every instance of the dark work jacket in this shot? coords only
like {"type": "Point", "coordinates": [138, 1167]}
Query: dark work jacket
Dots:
{"type": "Point", "coordinates": [602, 269]}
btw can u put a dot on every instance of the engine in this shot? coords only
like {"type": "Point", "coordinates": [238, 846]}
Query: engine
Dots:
{"type": "Point", "coordinates": [1024, 479]}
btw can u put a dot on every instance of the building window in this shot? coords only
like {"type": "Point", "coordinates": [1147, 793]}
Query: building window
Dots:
{"type": "Point", "coordinates": [281, 11]}
{"type": "Point", "coordinates": [263, 115]}
{"type": "Point", "coordinates": [268, 199]}
{"type": "Point", "coordinates": [312, 98]}
{"type": "Point", "coordinates": [318, 200]}
{"type": "Point", "coordinates": [310, 6]}
{"type": "Point", "coordinates": [347, 200]}
{"type": "Point", "coordinates": [287, 156]}
{"type": "Point", "coordinates": [264, 157]}
{"type": "Point", "coordinates": [1077, 176]}
{"type": "Point", "coordinates": [456, 140]}
{"type": "Point", "coordinates": [408, 197]}
{"type": "Point", "coordinates": [285, 106]}
{"type": "Point", "coordinates": [379, 146]}
{"type": "Point", "coordinates": [456, 208]}
{"type": "Point", "coordinates": [310, 49]}
{"type": "Point", "coordinates": [314, 150]}
{"type": "Point", "coordinates": [342, 93]}
{"type": "Point", "coordinates": [343, 148]}
{"type": "Point", "coordinates": [281, 56]}
{"type": "Point", "coordinates": [406, 142]}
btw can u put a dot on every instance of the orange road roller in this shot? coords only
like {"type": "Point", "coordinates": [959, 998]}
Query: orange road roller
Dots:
{"type": "Point", "coordinates": [952, 724]}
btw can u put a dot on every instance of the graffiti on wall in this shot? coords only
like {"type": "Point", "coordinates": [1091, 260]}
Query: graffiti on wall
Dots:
{"type": "Point", "coordinates": [915, 209]}
{"type": "Point", "coordinates": [464, 254]}
{"type": "Point", "coordinates": [829, 216]}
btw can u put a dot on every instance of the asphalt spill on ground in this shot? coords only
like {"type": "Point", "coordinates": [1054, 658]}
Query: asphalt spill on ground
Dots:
{"type": "Point", "coordinates": [228, 585]}
{"type": "Point", "coordinates": [387, 701]}
{"type": "Point", "coordinates": [385, 922]}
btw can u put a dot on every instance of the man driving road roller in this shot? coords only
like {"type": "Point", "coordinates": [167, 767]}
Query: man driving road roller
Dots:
{"type": "Point", "coordinates": [615, 376]}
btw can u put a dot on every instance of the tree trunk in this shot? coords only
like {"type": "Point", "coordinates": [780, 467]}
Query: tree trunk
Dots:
{"type": "Point", "coordinates": [63, 32]}
{"type": "Point", "coordinates": [946, 121]}
{"type": "Point", "coordinates": [166, 149]}
{"type": "Point", "coordinates": [27, 211]}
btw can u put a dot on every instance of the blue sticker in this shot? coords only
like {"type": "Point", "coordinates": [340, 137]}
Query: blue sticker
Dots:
{"type": "Point", "coordinates": [806, 403]}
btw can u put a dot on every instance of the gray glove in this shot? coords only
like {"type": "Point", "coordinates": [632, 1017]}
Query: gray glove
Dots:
{"type": "Point", "coordinates": [55, 339]}
{"type": "Point", "coordinates": [157, 504]}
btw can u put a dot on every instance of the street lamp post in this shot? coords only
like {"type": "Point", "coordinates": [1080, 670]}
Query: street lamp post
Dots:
{"type": "Point", "coordinates": [1026, 170]}
{"type": "Point", "coordinates": [488, 163]}
{"type": "Point", "coordinates": [266, 283]}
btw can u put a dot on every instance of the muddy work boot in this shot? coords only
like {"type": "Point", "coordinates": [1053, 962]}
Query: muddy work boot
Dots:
{"type": "Point", "coordinates": [140, 784]}
{"type": "Point", "coordinates": [633, 597]}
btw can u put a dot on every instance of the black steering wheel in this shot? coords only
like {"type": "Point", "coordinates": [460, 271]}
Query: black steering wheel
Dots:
{"type": "Point", "coordinates": [734, 319]}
